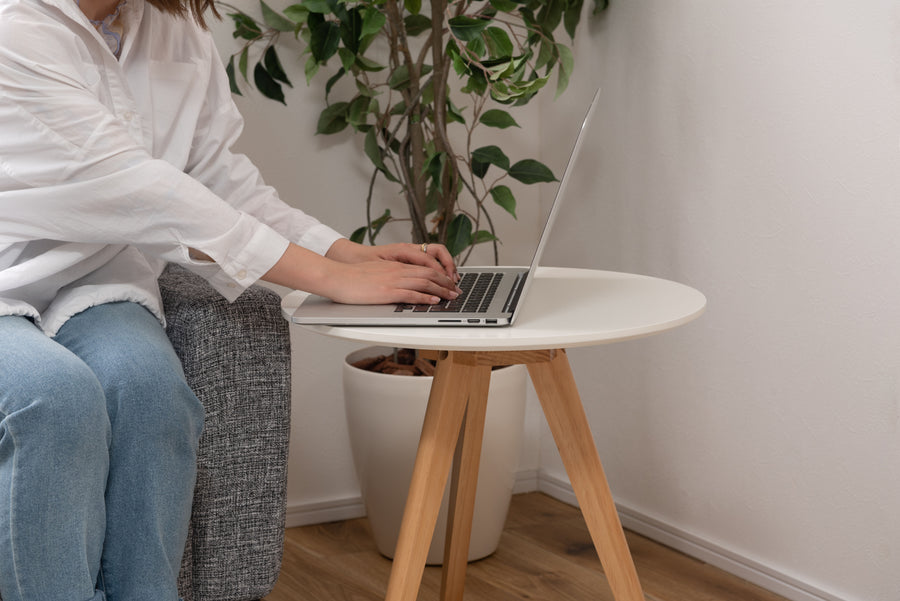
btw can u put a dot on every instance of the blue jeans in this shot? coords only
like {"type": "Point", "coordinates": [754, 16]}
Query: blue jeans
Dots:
{"type": "Point", "coordinates": [98, 448]}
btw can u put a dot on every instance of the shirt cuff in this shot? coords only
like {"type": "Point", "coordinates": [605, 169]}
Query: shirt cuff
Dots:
{"type": "Point", "coordinates": [319, 238]}
{"type": "Point", "coordinates": [242, 267]}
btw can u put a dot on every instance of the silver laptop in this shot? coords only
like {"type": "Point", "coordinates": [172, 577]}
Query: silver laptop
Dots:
{"type": "Point", "coordinates": [491, 295]}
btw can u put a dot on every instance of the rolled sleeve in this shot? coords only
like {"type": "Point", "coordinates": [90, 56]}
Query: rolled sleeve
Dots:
{"type": "Point", "coordinates": [243, 256]}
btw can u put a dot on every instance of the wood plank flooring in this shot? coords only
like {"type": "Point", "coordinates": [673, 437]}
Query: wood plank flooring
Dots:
{"type": "Point", "coordinates": [545, 554]}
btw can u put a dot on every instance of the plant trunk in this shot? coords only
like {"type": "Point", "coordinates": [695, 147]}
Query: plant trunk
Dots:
{"type": "Point", "coordinates": [448, 193]}
{"type": "Point", "coordinates": [413, 158]}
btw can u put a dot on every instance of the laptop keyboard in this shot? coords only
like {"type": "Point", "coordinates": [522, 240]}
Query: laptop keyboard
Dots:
{"type": "Point", "coordinates": [478, 291]}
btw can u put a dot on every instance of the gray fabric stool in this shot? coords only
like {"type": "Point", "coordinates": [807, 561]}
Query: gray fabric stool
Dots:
{"type": "Point", "coordinates": [237, 360]}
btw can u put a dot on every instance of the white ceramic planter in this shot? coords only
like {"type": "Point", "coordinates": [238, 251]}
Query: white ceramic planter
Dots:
{"type": "Point", "coordinates": [385, 415]}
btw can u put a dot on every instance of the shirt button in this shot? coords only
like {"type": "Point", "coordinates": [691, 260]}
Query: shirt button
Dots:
{"type": "Point", "coordinates": [241, 274]}
{"type": "Point", "coordinates": [128, 115]}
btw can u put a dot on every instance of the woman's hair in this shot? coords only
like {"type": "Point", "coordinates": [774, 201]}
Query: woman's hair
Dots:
{"type": "Point", "coordinates": [184, 8]}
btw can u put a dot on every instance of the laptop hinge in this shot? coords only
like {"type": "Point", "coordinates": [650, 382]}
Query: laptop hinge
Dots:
{"type": "Point", "coordinates": [513, 298]}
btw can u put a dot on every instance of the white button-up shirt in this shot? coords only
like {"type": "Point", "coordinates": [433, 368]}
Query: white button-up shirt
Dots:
{"type": "Point", "coordinates": [111, 168]}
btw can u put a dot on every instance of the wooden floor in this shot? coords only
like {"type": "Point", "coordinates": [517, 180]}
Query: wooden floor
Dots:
{"type": "Point", "coordinates": [545, 554]}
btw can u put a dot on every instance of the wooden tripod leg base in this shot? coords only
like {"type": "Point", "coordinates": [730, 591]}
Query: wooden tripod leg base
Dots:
{"type": "Point", "coordinates": [565, 415]}
{"type": "Point", "coordinates": [454, 378]}
{"type": "Point", "coordinates": [454, 424]}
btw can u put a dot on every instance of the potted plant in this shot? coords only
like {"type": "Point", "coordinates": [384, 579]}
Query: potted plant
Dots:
{"type": "Point", "coordinates": [398, 75]}
{"type": "Point", "coordinates": [418, 83]}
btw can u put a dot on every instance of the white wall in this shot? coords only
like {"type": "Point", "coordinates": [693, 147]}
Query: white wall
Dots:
{"type": "Point", "coordinates": [751, 150]}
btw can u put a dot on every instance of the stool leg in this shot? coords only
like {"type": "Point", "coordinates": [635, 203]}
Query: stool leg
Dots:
{"type": "Point", "coordinates": [463, 484]}
{"type": "Point", "coordinates": [556, 389]}
{"type": "Point", "coordinates": [440, 431]}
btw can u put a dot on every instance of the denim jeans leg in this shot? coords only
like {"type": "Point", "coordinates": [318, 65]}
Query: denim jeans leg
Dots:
{"type": "Point", "coordinates": [156, 423]}
{"type": "Point", "coordinates": [54, 437]}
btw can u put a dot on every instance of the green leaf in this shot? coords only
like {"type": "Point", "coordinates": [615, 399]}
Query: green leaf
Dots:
{"type": "Point", "coordinates": [477, 47]}
{"type": "Point", "coordinates": [359, 235]}
{"type": "Point", "coordinates": [273, 66]}
{"type": "Point", "coordinates": [242, 62]}
{"type": "Point", "coordinates": [364, 90]}
{"type": "Point", "coordinates": [484, 157]}
{"type": "Point", "coordinates": [467, 28]}
{"type": "Point", "coordinates": [483, 236]}
{"type": "Point", "coordinates": [321, 7]}
{"type": "Point", "coordinates": [506, 6]}
{"type": "Point", "coordinates": [413, 6]}
{"type": "Point", "coordinates": [572, 16]}
{"type": "Point", "coordinates": [373, 21]}
{"type": "Point", "coordinates": [476, 84]}
{"type": "Point", "coordinates": [399, 108]}
{"type": "Point", "coordinates": [274, 20]}
{"type": "Point", "coordinates": [325, 36]}
{"type": "Point", "coordinates": [550, 15]}
{"type": "Point", "coordinates": [229, 70]}
{"type": "Point", "coordinates": [245, 26]}
{"type": "Point", "coordinates": [529, 171]}
{"type": "Point", "coordinates": [499, 69]}
{"type": "Point", "coordinates": [434, 166]}
{"type": "Point", "coordinates": [566, 66]}
{"type": "Point", "coordinates": [454, 115]}
{"type": "Point", "coordinates": [399, 78]}
{"type": "Point", "coordinates": [297, 13]}
{"type": "Point", "coordinates": [333, 80]}
{"type": "Point", "coordinates": [546, 54]}
{"type": "Point", "coordinates": [379, 223]}
{"type": "Point", "coordinates": [498, 118]}
{"type": "Point", "coordinates": [333, 119]}
{"type": "Point", "coordinates": [416, 24]}
{"type": "Point", "coordinates": [348, 58]}
{"type": "Point", "coordinates": [374, 152]}
{"type": "Point", "coordinates": [310, 68]}
{"type": "Point", "coordinates": [265, 84]}
{"type": "Point", "coordinates": [459, 234]}
{"type": "Point", "coordinates": [498, 43]}
{"type": "Point", "coordinates": [503, 196]}
{"type": "Point", "coordinates": [338, 9]}
{"type": "Point", "coordinates": [432, 199]}
{"type": "Point", "coordinates": [368, 65]}
{"type": "Point", "coordinates": [358, 111]}
{"type": "Point", "coordinates": [351, 29]}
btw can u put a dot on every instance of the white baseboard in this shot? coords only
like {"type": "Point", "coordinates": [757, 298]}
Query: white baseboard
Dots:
{"type": "Point", "coordinates": [321, 512]}
{"type": "Point", "coordinates": [697, 547]}
{"type": "Point", "coordinates": [303, 514]}
{"type": "Point", "coordinates": [349, 508]}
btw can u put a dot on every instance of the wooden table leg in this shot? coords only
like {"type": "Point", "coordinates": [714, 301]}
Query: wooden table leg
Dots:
{"type": "Point", "coordinates": [556, 389]}
{"type": "Point", "coordinates": [440, 431]}
{"type": "Point", "coordinates": [463, 485]}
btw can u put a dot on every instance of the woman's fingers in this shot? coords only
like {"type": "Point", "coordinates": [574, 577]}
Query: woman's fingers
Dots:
{"type": "Point", "coordinates": [391, 282]}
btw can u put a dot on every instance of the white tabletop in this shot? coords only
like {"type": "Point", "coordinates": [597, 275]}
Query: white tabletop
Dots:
{"type": "Point", "coordinates": [565, 308]}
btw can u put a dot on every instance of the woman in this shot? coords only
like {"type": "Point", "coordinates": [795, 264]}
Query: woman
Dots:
{"type": "Point", "coordinates": [115, 127]}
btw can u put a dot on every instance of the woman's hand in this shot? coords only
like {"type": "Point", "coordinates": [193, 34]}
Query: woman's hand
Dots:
{"type": "Point", "coordinates": [358, 274]}
{"type": "Point", "coordinates": [435, 256]}
{"type": "Point", "coordinates": [388, 281]}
